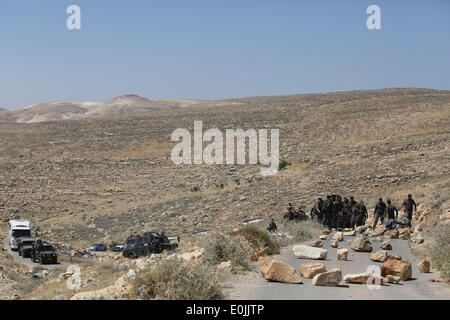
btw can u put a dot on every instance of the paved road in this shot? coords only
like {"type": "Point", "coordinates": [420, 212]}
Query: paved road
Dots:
{"type": "Point", "coordinates": [419, 287]}
{"type": "Point", "coordinates": [28, 262]}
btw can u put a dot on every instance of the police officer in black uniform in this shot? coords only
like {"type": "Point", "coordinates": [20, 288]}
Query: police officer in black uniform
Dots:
{"type": "Point", "coordinates": [409, 205]}
{"type": "Point", "coordinates": [379, 211]}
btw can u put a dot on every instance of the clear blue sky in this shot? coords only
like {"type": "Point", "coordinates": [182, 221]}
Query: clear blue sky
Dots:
{"type": "Point", "coordinates": [211, 49]}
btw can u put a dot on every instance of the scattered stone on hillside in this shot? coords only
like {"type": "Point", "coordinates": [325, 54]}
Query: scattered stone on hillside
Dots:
{"type": "Point", "coordinates": [192, 255]}
{"type": "Point", "coordinates": [424, 265]}
{"type": "Point", "coordinates": [367, 233]}
{"type": "Point", "coordinates": [350, 233]}
{"type": "Point", "coordinates": [394, 257]}
{"type": "Point", "coordinates": [274, 270]}
{"type": "Point", "coordinates": [398, 268]}
{"type": "Point", "coordinates": [225, 266]}
{"type": "Point", "coordinates": [310, 269]}
{"type": "Point", "coordinates": [379, 256]}
{"type": "Point", "coordinates": [317, 244]}
{"type": "Point", "coordinates": [338, 236]}
{"type": "Point", "coordinates": [120, 289]}
{"type": "Point", "coordinates": [330, 278]}
{"type": "Point", "coordinates": [323, 236]}
{"type": "Point", "coordinates": [342, 254]}
{"type": "Point", "coordinates": [307, 252]}
{"type": "Point", "coordinates": [404, 236]}
{"type": "Point", "coordinates": [417, 238]}
{"type": "Point", "coordinates": [386, 245]}
{"type": "Point", "coordinates": [362, 244]}
{"type": "Point", "coordinates": [326, 231]}
{"type": "Point", "coordinates": [334, 244]}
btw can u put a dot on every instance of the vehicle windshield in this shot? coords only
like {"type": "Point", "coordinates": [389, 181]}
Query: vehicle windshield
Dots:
{"type": "Point", "coordinates": [20, 233]}
{"type": "Point", "coordinates": [47, 248]}
{"type": "Point", "coordinates": [132, 243]}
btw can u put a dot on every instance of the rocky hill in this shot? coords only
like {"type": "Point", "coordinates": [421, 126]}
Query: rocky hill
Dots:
{"type": "Point", "coordinates": [125, 104]}
{"type": "Point", "coordinates": [98, 179]}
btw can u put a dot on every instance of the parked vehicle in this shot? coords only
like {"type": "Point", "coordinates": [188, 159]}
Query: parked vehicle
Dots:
{"type": "Point", "coordinates": [150, 242]}
{"type": "Point", "coordinates": [43, 252]}
{"type": "Point", "coordinates": [18, 229]}
{"type": "Point", "coordinates": [25, 247]}
{"type": "Point", "coordinates": [98, 247]}
{"type": "Point", "coordinates": [118, 248]}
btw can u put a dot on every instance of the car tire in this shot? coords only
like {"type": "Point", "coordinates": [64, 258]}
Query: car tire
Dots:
{"type": "Point", "coordinates": [41, 261]}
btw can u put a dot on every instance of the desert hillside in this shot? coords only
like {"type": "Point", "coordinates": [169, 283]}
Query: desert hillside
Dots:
{"type": "Point", "coordinates": [98, 179]}
{"type": "Point", "coordinates": [125, 104]}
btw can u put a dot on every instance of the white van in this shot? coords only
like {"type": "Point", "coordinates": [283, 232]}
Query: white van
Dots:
{"type": "Point", "coordinates": [18, 229]}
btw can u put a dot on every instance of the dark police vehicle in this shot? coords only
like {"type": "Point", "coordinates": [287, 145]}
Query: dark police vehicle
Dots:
{"type": "Point", "coordinates": [43, 252]}
{"type": "Point", "coordinates": [150, 242]}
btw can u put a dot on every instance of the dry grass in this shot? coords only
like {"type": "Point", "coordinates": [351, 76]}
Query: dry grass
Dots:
{"type": "Point", "coordinates": [174, 279]}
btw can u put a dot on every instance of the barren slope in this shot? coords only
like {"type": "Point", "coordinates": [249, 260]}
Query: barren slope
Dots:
{"type": "Point", "coordinates": [101, 178]}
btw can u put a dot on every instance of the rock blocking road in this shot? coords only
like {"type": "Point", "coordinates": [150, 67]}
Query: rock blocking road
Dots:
{"type": "Point", "coordinates": [418, 287]}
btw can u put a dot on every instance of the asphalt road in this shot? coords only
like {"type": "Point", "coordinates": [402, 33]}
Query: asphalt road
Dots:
{"type": "Point", "coordinates": [419, 287]}
{"type": "Point", "coordinates": [28, 262]}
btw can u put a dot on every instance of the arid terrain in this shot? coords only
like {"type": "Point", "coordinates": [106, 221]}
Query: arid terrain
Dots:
{"type": "Point", "coordinates": [99, 178]}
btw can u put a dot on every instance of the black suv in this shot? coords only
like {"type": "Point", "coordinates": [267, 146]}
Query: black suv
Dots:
{"type": "Point", "coordinates": [150, 242]}
{"type": "Point", "coordinates": [25, 247]}
{"type": "Point", "coordinates": [43, 252]}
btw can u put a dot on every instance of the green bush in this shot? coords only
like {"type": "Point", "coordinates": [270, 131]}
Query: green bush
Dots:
{"type": "Point", "coordinates": [283, 164]}
{"type": "Point", "coordinates": [258, 238]}
{"type": "Point", "coordinates": [439, 250]}
{"type": "Point", "coordinates": [221, 247]}
{"type": "Point", "coordinates": [175, 279]}
{"type": "Point", "coordinates": [299, 231]}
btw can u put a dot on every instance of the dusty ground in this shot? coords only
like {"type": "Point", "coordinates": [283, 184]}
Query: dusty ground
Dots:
{"type": "Point", "coordinates": [96, 180]}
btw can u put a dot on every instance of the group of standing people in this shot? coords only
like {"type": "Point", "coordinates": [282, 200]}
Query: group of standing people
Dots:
{"type": "Point", "coordinates": [339, 213]}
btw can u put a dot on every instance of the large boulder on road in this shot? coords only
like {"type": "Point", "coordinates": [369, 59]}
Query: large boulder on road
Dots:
{"type": "Point", "coordinates": [386, 245]}
{"type": "Point", "coordinates": [363, 244]}
{"type": "Point", "coordinates": [364, 278]}
{"type": "Point", "coordinates": [330, 278]}
{"type": "Point", "coordinates": [379, 256]}
{"type": "Point", "coordinates": [398, 268]}
{"type": "Point", "coordinates": [306, 252]}
{"type": "Point", "coordinates": [310, 269]}
{"type": "Point", "coordinates": [342, 254]}
{"type": "Point", "coordinates": [338, 236]}
{"type": "Point", "coordinates": [424, 265]}
{"type": "Point", "coordinates": [274, 270]}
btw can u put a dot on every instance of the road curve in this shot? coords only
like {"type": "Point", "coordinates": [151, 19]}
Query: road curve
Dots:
{"type": "Point", "coordinates": [419, 287]}
{"type": "Point", "coordinates": [28, 262]}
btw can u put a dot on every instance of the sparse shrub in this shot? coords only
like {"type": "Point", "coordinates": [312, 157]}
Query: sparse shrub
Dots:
{"type": "Point", "coordinates": [299, 231]}
{"type": "Point", "coordinates": [438, 202]}
{"type": "Point", "coordinates": [439, 250]}
{"type": "Point", "coordinates": [258, 239]}
{"type": "Point", "coordinates": [195, 189]}
{"type": "Point", "coordinates": [107, 266]}
{"type": "Point", "coordinates": [283, 164]}
{"type": "Point", "coordinates": [113, 244]}
{"type": "Point", "coordinates": [221, 247]}
{"type": "Point", "coordinates": [174, 279]}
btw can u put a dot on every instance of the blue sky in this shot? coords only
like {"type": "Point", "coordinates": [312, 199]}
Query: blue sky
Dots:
{"type": "Point", "coordinates": [210, 49]}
